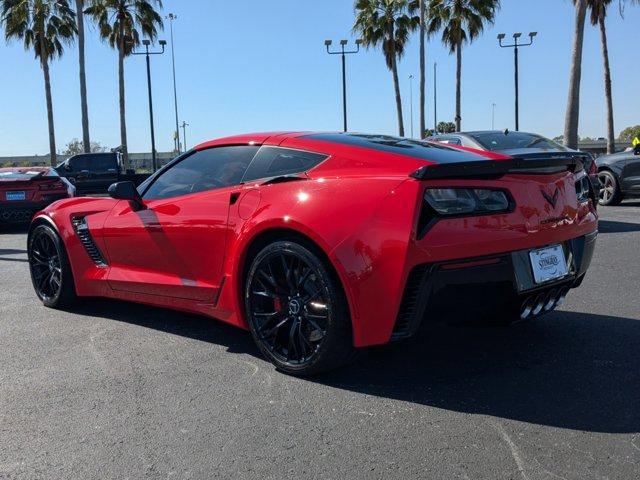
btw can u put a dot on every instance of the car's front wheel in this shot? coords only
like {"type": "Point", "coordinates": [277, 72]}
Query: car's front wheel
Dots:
{"type": "Point", "coordinates": [610, 193]}
{"type": "Point", "coordinates": [49, 266]}
{"type": "Point", "coordinates": [296, 310]}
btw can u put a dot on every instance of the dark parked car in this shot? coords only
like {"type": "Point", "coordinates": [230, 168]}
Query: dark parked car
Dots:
{"type": "Point", "coordinates": [619, 176]}
{"type": "Point", "coordinates": [91, 172]}
{"type": "Point", "coordinates": [518, 144]}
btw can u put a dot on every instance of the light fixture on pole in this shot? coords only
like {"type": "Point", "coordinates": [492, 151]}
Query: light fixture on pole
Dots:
{"type": "Point", "coordinates": [342, 51]}
{"type": "Point", "coordinates": [515, 45]}
{"type": "Point", "coordinates": [147, 53]}
{"type": "Point", "coordinates": [171, 17]}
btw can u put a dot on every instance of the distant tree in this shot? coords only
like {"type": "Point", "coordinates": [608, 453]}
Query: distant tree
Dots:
{"type": "Point", "coordinates": [447, 127]}
{"type": "Point", "coordinates": [43, 26]}
{"type": "Point", "coordinates": [559, 139]}
{"type": "Point", "coordinates": [461, 21]}
{"type": "Point", "coordinates": [121, 24]}
{"type": "Point", "coordinates": [428, 133]}
{"type": "Point", "coordinates": [387, 23]}
{"type": "Point", "coordinates": [76, 146]}
{"type": "Point", "coordinates": [629, 133]}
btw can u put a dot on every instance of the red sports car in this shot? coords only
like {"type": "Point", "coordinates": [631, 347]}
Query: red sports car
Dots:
{"type": "Point", "coordinates": [25, 191]}
{"type": "Point", "coordinates": [322, 243]}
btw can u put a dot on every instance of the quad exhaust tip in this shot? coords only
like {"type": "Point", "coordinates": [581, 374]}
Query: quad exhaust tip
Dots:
{"type": "Point", "coordinates": [543, 302]}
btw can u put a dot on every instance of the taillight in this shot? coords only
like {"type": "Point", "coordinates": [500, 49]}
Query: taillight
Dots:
{"type": "Point", "coordinates": [51, 186]}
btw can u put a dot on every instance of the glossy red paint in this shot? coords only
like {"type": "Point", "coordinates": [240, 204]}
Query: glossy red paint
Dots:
{"type": "Point", "coordinates": [360, 207]}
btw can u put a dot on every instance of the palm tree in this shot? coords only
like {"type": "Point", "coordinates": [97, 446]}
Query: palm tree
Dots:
{"type": "Point", "coordinates": [598, 10]}
{"type": "Point", "coordinates": [460, 21]}
{"type": "Point", "coordinates": [43, 26]}
{"type": "Point", "coordinates": [423, 19]}
{"type": "Point", "coordinates": [573, 104]}
{"type": "Point", "coordinates": [120, 23]}
{"type": "Point", "coordinates": [387, 23]}
{"type": "Point", "coordinates": [86, 142]}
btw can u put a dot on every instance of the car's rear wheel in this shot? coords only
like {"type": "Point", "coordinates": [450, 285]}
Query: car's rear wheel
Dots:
{"type": "Point", "coordinates": [610, 193]}
{"type": "Point", "coordinates": [297, 311]}
{"type": "Point", "coordinates": [50, 270]}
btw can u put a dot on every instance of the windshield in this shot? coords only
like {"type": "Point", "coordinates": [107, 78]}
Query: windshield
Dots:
{"type": "Point", "coordinates": [498, 141]}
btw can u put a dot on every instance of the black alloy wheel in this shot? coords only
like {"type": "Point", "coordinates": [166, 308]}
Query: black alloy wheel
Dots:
{"type": "Point", "coordinates": [296, 310]}
{"type": "Point", "coordinates": [49, 266]}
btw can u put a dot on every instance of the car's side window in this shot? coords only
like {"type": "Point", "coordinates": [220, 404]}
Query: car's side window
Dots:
{"type": "Point", "coordinates": [275, 161]}
{"type": "Point", "coordinates": [203, 170]}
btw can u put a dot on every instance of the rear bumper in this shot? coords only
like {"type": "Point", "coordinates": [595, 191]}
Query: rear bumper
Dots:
{"type": "Point", "coordinates": [19, 212]}
{"type": "Point", "coordinates": [475, 287]}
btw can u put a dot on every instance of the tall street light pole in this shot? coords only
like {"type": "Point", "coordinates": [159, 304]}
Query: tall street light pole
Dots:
{"type": "Point", "coordinates": [411, 101]}
{"type": "Point", "coordinates": [343, 52]}
{"type": "Point", "coordinates": [435, 98]}
{"type": "Point", "coordinates": [493, 116]}
{"type": "Point", "coordinates": [184, 135]}
{"type": "Point", "coordinates": [171, 17]}
{"type": "Point", "coordinates": [147, 53]}
{"type": "Point", "coordinates": [515, 45]}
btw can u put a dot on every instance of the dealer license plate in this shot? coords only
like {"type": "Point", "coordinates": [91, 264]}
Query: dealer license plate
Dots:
{"type": "Point", "coordinates": [548, 263]}
{"type": "Point", "coordinates": [13, 196]}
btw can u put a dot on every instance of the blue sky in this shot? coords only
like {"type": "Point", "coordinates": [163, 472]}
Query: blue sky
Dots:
{"type": "Point", "coordinates": [253, 66]}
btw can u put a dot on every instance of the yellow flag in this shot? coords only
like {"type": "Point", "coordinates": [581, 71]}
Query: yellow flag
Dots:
{"type": "Point", "coordinates": [635, 142]}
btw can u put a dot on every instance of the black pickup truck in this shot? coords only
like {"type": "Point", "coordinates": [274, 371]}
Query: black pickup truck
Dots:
{"type": "Point", "coordinates": [94, 172]}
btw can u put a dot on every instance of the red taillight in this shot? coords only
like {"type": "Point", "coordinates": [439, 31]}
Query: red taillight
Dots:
{"type": "Point", "coordinates": [593, 169]}
{"type": "Point", "coordinates": [51, 186]}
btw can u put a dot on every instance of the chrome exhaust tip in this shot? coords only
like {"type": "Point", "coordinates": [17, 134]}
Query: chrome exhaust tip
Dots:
{"type": "Point", "coordinates": [562, 296]}
{"type": "Point", "coordinates": [527, 308]}
{"type": "Point", "coordinates": [540, 302]}
{"type": "Point", "coordinates": [551, 300]}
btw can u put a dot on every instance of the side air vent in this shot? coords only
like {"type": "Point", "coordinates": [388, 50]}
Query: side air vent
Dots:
{"type": "Point", "coordinates": [82, 230]}
{"type": "Point", "coordinates": [409, 309]}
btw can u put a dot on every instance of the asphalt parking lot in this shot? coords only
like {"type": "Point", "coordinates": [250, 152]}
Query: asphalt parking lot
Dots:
{"type": "Point", "coordinates": [116, 390]}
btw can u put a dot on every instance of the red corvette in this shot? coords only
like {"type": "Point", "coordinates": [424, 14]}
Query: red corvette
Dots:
{"type": "Point", "coordinates": [323, 243]}
{"type": "Point", "coordinates": [26, 190]}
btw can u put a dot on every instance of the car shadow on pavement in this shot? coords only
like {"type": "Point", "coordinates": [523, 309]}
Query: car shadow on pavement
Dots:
{"type": "Point", "coordinates": [569, 370]}
{"type": "Point", "coordinates": [11, 252]}
{"type": "Point", "coordinates": [610, 226]}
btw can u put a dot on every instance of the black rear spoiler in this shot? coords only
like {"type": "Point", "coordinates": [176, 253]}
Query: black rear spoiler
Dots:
{"type": "Point", "coordinates": [522, 163]}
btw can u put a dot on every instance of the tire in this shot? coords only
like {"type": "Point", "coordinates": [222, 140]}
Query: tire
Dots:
{"type": "Point", "coordinates": [610, 193]}
{"type": "Point", "coordinates": [297, 311]}
{"type": "Point", "coordinates": [50, 269]}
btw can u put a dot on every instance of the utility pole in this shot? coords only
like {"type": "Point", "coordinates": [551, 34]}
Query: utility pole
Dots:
{"type": "Point", "coordinates": [493, 116]}
{"type": "Point", "coordinates": [411, 101]}
{"type": "Point", "coordinates": [184, 135]}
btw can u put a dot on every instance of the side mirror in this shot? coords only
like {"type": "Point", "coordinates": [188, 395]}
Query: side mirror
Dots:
{"type": "Point", "coordinates": [68, 167]}
{"type": "Point", "coordinates": [636, 150]}
{"type": "Point", "coordinates": [127, 191]}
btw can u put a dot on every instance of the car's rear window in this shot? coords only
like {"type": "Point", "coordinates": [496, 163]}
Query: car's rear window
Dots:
{"type": "Point", "coordinates": [20, 174]}
{"type": "Point", "coordinates": [498, 141]}
{"type": "Point", "coordinates": [399, 146]}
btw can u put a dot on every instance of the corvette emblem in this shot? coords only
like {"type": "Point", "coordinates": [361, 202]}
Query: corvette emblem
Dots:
{"type": "Point", "coordinates": [553, 200]}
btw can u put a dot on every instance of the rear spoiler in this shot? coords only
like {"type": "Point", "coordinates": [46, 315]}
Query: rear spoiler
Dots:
{"type": "Point", "coordinates": [525, 163]}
